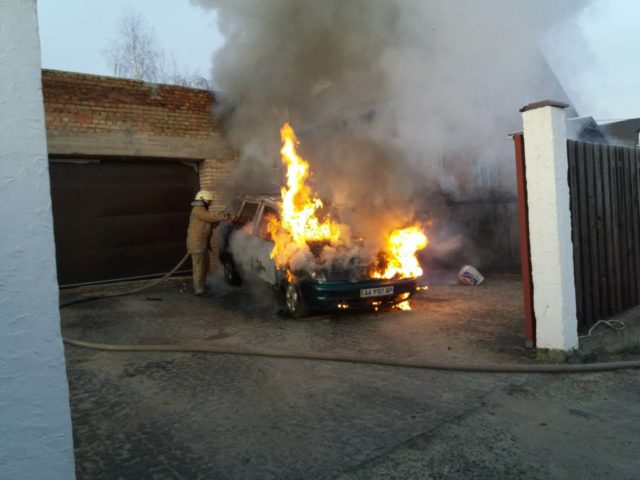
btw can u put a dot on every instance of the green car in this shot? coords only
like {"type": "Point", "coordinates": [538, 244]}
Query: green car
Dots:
{"type": "Point", "coordinates": [249, 255]}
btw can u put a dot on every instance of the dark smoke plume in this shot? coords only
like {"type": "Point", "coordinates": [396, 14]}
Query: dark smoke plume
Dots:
{"type": "Point", "coordinates": [393, 100]}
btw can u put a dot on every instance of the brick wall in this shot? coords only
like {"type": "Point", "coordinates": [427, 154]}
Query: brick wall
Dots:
{"type": "Point", "coordinates": [96, 115]}
{"type": "Point", "coordinates": [87, 103]}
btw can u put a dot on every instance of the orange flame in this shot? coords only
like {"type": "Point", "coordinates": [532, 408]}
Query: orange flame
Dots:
{"type": "Point", "coordinates": [404, 306]}
{"type": "Point", "coordinates": [299, 222]}
{"type": "Point", "coordinates": [400, 252]}
{"type": "Point", "coordinates": [299, 205]}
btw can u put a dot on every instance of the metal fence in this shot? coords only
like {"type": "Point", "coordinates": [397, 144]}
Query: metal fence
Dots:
{"type": "Point", "coordinates": [604, 183]}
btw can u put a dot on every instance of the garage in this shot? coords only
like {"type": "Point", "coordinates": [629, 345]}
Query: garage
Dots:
{"type": "Point", "coordinates": [119, 218]}
{"type": "Point", "coordinates": [126, 158]}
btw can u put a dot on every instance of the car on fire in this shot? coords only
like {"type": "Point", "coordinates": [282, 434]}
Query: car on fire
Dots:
{"type": "Point", "coordinates": [324, 289]}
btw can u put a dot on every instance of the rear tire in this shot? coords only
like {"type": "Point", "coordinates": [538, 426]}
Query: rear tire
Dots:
{"type": "Point", "coordinates": [231, 275]}
{"type": "Point", "coordinates": [296, 306]}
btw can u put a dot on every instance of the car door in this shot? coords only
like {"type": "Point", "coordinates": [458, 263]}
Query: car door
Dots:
{"type": "Point", "coordinates": [264, 266]}
{"type": "Point", "coordinates": [242, 245]}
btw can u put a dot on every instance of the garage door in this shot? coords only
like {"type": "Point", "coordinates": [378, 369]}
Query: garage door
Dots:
{"type": "Point", "coordinates": [119, 219]}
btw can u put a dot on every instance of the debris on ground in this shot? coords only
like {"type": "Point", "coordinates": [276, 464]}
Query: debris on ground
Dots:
{"type": "Point", "coordinates": [469, 275]}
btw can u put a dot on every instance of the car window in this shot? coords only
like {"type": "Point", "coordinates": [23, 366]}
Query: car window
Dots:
{"type": "Point", "coordinates": [247, 213]}
{"type": "Point", "coordinates": [268, 216]}
{"type": "Point", "coordinates": [233, 207]}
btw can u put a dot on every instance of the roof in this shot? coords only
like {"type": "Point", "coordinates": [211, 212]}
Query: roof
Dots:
{"type": "Point", "coordinates": [80, 77]}
{"type": "Point", "coordinates": [623, 132]}
{"type": "Point", "coordinates": [258, 197]}
{"type": "Point", "coordinates": [585, 129]}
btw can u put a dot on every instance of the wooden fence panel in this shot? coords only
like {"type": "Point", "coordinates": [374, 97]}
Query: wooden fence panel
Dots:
{"type": "Point", "coordinates": [615, 218]}
{"type": "Point", "coordinates": [576, 222]}
{"type": "Point", "coordinates": [635, 188]}
{"type": "Point", "coordinates": [604, 183]}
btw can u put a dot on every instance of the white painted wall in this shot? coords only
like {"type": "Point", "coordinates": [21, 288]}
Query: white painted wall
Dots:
{"type": "Point", "coordinates": [35, 421]}
{"type": "Point", "coordinates": [554, 297]}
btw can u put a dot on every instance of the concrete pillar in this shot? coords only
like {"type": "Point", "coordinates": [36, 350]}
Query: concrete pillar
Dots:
{"type": "Point", "coordinates": [554, 296]}
{"type": "Point", "coordinates": [35, 420]}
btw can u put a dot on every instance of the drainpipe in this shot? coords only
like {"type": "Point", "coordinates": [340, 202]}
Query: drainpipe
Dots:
{"type": "Point", "coordinates": [525, 250]}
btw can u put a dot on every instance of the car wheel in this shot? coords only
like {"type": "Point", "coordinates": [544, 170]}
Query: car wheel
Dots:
{"type": "Point", "coordinates": [231, 275]}
{"type": "Point", "coordinates": [296, 306]}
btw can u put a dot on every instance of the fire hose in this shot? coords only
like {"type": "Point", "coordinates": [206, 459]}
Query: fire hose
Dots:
{"type": "Point", "coordinates": [329, 357]}
{"type": "Point", "coordinates": [128, 292]}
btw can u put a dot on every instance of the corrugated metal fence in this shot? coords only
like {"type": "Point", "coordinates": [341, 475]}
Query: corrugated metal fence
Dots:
{"type": "Point", "coordinates": [604, 182]}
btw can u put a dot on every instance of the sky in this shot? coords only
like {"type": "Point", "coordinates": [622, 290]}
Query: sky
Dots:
{"type": "Point", "coordinates": [602, 79]}
{"type": "Point", "coordinates": [73, 33]}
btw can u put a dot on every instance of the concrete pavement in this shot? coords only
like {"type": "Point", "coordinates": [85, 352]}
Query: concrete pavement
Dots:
{"type": "Point", "coordinates": [153, 415]}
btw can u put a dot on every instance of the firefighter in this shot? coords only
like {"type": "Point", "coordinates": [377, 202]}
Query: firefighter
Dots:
{"type": "Point", "coordinates": [201, 224]}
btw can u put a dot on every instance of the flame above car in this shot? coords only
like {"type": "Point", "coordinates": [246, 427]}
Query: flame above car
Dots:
{"type": "Point", "coordinates": [301, 224]}
{"type": "Point", "coordinates": [299, 203]}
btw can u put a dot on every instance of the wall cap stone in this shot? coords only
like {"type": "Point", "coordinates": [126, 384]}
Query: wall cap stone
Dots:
{"type": "Point", "coordinates": [544, 103]}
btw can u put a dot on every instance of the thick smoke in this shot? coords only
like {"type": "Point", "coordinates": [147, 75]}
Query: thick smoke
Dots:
{"type": "Point", "coordinates": [400, 105]}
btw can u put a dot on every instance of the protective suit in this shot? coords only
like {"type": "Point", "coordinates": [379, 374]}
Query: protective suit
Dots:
{"type": "Point", "coordinates": [201, 224]}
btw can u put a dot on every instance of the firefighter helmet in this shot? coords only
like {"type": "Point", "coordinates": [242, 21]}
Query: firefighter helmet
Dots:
{"type": "Point", "coordinates": [205, 195]}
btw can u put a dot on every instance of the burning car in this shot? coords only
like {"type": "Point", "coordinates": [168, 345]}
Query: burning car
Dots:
{"type": "Point", "coordinates": [337, 287]}
{"type": "Point", "coordinates": [295, 244]}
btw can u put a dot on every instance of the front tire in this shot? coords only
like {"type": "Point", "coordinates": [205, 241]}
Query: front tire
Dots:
{"type": "Point", "coordinates": [231, 275]}
{"type": "Point", "coordinates": [296, 306]}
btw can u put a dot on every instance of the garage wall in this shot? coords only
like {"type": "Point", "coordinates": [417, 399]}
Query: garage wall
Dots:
{"type": "Point", "coordinates": [91, 115]}
{"type": "Point", "coordinates": [107, 118]}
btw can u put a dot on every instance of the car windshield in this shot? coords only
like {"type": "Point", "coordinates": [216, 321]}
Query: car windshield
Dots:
{"type": "Point", "coordinates": [247, 213]}
{"type": "Point", "coordinates": [269, 215]}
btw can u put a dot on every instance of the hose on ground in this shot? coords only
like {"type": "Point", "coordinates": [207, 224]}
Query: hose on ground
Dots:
{"type": "Point", "coordinates": [364, 360]}
{"type": "Point", "coordinates": [128, 292]}
{"type": "Point", "coordinates": [328, 357]}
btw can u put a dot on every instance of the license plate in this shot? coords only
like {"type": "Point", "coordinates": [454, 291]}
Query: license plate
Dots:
{"type": "Point", "coordinates": [375, 292]}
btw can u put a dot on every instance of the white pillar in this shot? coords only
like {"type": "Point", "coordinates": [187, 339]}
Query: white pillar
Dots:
{"type": "Point", "coordinates": [35, 420]}
{"type": "Point", "coordinates": [554, 296]}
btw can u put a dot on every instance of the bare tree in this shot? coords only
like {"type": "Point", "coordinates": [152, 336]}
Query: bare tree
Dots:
{"type": "Point", "coordinates": [136, 53]}
{"type": "Point", "coordinates": [184, 78]}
